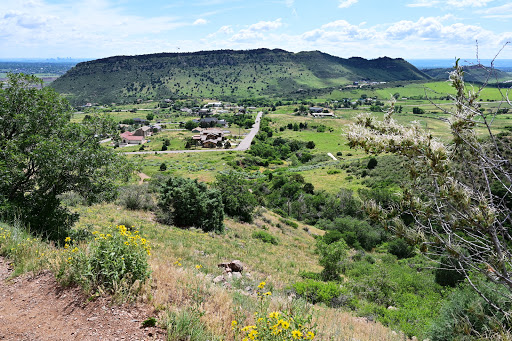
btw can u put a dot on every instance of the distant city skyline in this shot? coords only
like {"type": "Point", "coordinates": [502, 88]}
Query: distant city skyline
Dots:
{"type": "Point", "coordinates": [409, 29]}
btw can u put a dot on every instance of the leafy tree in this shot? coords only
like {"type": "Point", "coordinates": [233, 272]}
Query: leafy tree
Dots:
{"type": "Point", "coordinates": [189, 125]}
{"type": "Point", "coordinates": [150, 117]}
{"type": "Point", "coordinates": [189, 203]}
{"type": "Point", "coordinates": [237, 197]}
{"type": "Point", "coordinates": [163, 167]}
{"type": "Point", "coordinates": [372, 163]}
{"type": "Point", "coordinates": [418, 111]}
{"type": "Point", "coordinates": [331, 258]}
{"type": "Point", "coordinates": [310, 145]}
{"type": "Point", "coordinates": [43, 155]}
{"type": "Point", "coordinates": [456, 212]}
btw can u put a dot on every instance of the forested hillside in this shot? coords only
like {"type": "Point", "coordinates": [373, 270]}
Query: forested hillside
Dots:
{"type": "Point", "coordinates": [225, 75]}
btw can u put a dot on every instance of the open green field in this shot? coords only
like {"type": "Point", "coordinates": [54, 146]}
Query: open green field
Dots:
{"type": "Point", "coordinates": [407, 90]}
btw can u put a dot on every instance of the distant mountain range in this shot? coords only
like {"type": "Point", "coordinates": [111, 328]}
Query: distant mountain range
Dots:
{"type": "Point", "coordinates": [224, 75]}
{"type": "Point", "coordinates": [472, 73]}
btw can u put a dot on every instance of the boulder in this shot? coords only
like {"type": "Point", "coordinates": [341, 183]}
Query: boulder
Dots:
{"type": "Point", "coordinates": [233, 266]}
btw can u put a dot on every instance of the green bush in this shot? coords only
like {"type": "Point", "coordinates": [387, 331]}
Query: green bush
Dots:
{"type": "Point", "coordinates": [317, 292]}
{"type": "Point", "coordinates": [465, 315]}
{"type": "Point", "coordinates": [400, 248]}
{"type": "Point", "coordinates": [113, 261]}
{"type": "Point", "coordinates": [238, 200]}
{"type": "Point", "coordinates": [189, 203]}
{"type": "Point", "coordinates": [136, 197]}
{"type": "Point", "coordinates": [289, 223]}
{"type": "Point", "coordinates": [446, 275]}
{"type": "Point", "coordinates": [332, 258]}
{"type": "Point", "coordinates": [265, 237]}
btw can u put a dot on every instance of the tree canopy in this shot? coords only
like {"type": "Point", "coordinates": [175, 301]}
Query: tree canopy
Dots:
{"type": "Point", "coordinates": [43, 155]}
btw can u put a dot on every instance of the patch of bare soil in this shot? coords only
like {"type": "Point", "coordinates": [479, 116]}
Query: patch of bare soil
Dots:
{"type": "Point", "coordinates": [142, 177]}
{"type": "Point", "coordinates": [34, 307]}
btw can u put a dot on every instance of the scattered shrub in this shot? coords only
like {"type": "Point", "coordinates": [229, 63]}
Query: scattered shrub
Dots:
{"type": "Point", "coordinates": [136, 197]}
{"type": "Point", "coordinates": [265, 237]}
{"type": "Point", "coordinates": [317, 292]}
{"type": "Point", "coordinates": [465, 315]}
{"type": "Point", "coordinates": [372, 163]}
{"type": "Point", "coordinates": [189, 203]}
{"type": "Point", "coordinates": [400, 248]}
{"type": "Point", "coordinates": [446, 275]}
{"type": "Point", "coordinates": [332, 257]}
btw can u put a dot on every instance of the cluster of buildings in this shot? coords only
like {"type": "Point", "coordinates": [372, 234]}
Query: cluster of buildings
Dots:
{"type": "Point", "coordinates": [139, 136]}
{"type": "Point", "coordinates": [209, 137]}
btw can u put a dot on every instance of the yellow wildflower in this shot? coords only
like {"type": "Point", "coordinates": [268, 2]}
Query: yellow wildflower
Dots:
{"type": "Point", "coordinates": [274, 315]}
{"type": "Point", "coordinates": [310, 336]}
{"type": "Point", "coordinates": [198, 266]}
{"type": "Point", "coordinates": [284, 323]}
{"type": "Point", "coordinates": [262, 285]}
{"type": "Point", "coordinates": [297, 334]}
{"type": "Point", "coordinates": [74, 250]}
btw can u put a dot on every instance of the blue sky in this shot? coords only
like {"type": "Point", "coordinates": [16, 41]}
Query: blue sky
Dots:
{"type": "Point", "coordinates": [411, 29]}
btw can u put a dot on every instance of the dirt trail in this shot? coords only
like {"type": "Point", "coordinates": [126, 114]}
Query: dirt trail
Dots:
{"type": "Point", "coordinates": [142, 177]}
{"type": "Point", "coordinates": [35, 308]}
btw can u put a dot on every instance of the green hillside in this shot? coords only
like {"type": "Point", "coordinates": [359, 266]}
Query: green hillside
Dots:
{"type": "Point", "coordinates": [225, 75]}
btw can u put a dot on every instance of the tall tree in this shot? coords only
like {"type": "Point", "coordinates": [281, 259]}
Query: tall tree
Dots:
{"type": "Point", "coordinates": [43, 155]}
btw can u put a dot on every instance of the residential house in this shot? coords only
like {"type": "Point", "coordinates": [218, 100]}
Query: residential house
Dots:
{"type": "Point", "coordinates": [211, 122]}
{"type": "Point", "coordinates": [144, 131]}
{"type": "Point", "coordinates": [316, 109]}
{"type": "Point", "coordinates": [140, 121]}
{"type": "Point", "coordinates": [209, 138]}
{"type": "Point", "coordinates": [129, 138]}
{"type": "Point", "coordinates": [322, 114]}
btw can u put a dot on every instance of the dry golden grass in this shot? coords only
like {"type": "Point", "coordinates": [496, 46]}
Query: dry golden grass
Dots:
{"type": "Point", "coordinates": [178, 286]}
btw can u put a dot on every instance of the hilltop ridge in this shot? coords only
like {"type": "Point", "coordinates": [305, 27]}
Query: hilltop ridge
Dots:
{"type": "Point", "coordinates": [223, 74]}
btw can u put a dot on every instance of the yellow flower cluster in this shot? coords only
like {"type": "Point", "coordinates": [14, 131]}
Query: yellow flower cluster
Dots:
{"type": "Point", "coordinates": [274, 327]}
{"type": "Point", "coordinates": [132, 238]}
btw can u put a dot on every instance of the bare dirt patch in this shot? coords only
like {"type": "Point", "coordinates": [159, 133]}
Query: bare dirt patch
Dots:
{"type": "Point", "coordinates": [143, 177]}
{"type": "Point", "coordinates": [34, 307]}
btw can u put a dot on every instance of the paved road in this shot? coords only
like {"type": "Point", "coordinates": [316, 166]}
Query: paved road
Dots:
{"type": "Point", "coordinates": [245, 144]}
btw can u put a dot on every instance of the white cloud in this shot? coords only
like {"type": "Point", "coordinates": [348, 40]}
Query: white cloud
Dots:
{"type": "Point", "coordinates": [347, 3]}
{"type": "Point", "coordinates": [499, 12]}
{"type": "Point", "coordinates": [224, 30]}
{"type": "Point", "coordinates": [468, 3]}
{"type": "Point", "coordinates": [200, 22]}
{"type": "Point", "coordinates": [423, 3]}
{"type": "Point", "coordinates": [450, 3]}
{"type": "Point", "coordinates": [433, 28]}
{"type": "Point", "coordinates": [289, 3]}
{"type": "Point", "coordinates": [256, 31]}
